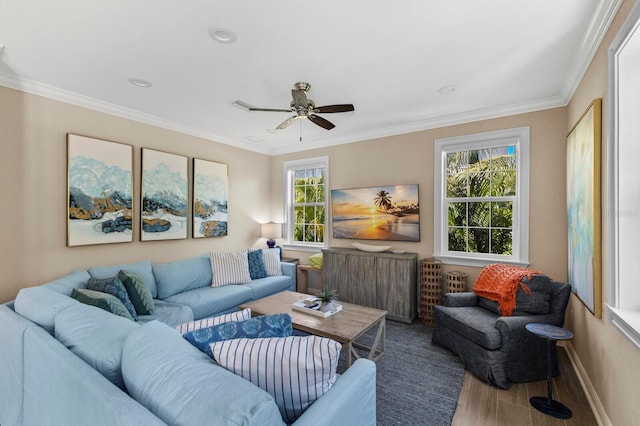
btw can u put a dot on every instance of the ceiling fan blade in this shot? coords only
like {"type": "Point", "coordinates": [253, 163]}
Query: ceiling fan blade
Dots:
{"type": "Point", "coordinates": [300, 98]}
{"type": "Point", "coordinates": [270, 109]}
{"type": "Point", "coordinates": [316, 119]}
{"type": "Point", "coordinates": [286, 123]}
{"type": "Point", "coordinates": [334, 108]}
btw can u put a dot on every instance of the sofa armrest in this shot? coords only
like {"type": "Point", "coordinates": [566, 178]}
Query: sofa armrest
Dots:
{"type": "Point", "coordinates": [290, 269]}
{"type": "Point", "coordinates": [350, 401]}
{"type": "Point", "coordinates": [457, 300]}
{"type": "Point", "coordinates": [509, 325]}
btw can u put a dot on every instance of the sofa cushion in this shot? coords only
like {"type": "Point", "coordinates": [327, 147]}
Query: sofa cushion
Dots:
{"type": "Point", "coordinates": [474, 323]}
{"type": "Point", "coordinates": [113, 286]}
{"type": "Point", "coordinates": [535, 302]}
{"type": "Point", "coordinates": [209, 301]}
{"type": "Point", "coordinates": [229, 267]}
{"type": "Point", "coordinates": [272, 261]}
{"type": "Point", "coordinates": [182, 386]}
{"type": "Point", "coordinates": [278, 325]}
{"type": "Point", "coordinates": [256, 264]}
{"type": "Point", "coordinates": [101, 300]}
{"type": "Point", "coordinates": [182, 275]}
{"type": "Point", "coordinates": [264, 287]}
{"type": "Point", "coordinates": [142, 268]}
{"type": "Point", "coordinates": [95, 336]}
{"type": "Point", "coordinates": [294, 370]}
{"type": "Point", "coordinates": [64, 285]}
{"type": "Point", "coordinates": [41, 305]}
{"type": "Point", "coordinates": [138, 291]}
{"type": "Point", "coordinates": [169, 313]}
{"type": "Point", "coordinates": [242, 315]}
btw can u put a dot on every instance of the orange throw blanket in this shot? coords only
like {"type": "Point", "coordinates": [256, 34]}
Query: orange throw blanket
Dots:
{"type": "Point", "coordinates": [500, 282]}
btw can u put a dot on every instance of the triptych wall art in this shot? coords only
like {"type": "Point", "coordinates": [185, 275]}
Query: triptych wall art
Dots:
{"type": "Point", "coordinates": [100, 205]}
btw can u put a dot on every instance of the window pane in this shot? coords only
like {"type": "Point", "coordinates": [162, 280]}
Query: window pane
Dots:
{"type": "Point", "coordinates": [503, 183]}
{"type": "Point", "coordinates": [457, 214]}
{"type": "Point", "coordinates": [474, 156]}
{"type": "Point", "coordinates": [458, 239]}
{"type": "Point", "coordinates": [457, 185]}
{"type": "Point", "coordinates": [479, 214]}
{"type": "Point", "coordinates": [479, 240]}
{"type": "Point", "coordinates": [501, 241]}
{"type": "Point", "coordinates": [456, 162]}
{"type": "Point", "coordinates": [502, 215]}
{"type": "Point", "coordinates": [299, 196]}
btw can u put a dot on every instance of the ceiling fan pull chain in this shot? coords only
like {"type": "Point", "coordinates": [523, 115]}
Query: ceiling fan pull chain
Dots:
{"type": "Point", "coordinates": [300, 126]}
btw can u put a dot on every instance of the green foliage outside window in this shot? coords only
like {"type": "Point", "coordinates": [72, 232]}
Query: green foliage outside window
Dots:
{"type": "Point", "coordinates": [309, 210]}
{"type": "Point", "coordinates": [481, 188]}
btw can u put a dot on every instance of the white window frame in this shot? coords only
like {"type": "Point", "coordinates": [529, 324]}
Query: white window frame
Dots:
{"type": "Point", "coordinates": [621, 216]}
{"type": "Point", "coordinates": [518, 137]}
{"type": "Point", "coordinates": [289, 167]}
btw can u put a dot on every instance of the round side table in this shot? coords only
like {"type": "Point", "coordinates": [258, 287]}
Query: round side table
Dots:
{"type": "Point", "coordinates": [546, 404]}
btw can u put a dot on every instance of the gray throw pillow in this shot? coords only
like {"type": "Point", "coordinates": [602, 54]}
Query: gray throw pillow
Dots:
{"type": "Point", "coordinates": [114, 287]}
{"type": "Point", "coordinates": [138, 291]}
{"type": "Point", "coordinates": [101, 300]}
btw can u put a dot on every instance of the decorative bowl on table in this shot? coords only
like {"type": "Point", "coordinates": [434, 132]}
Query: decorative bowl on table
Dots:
{"type": "Point", "coordinates": [369, 247]}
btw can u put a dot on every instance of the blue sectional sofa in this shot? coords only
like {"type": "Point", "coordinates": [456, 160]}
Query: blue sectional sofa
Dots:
{"type": "Point", "coordinates": [67, 363]}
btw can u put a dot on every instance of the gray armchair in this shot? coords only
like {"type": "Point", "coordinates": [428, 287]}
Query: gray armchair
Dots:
{"type": "Point", "coordinates": [497, 349]}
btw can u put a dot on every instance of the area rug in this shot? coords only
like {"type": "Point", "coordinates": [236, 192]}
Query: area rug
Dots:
{"type": "Point", "coordinates": [417, 383]}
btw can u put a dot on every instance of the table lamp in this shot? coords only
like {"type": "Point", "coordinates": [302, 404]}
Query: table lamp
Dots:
{"type": "Point", "coordinates": [271, 231]}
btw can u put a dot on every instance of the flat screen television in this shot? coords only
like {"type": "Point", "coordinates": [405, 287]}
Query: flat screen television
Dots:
{"type": "Point", "coordinates": [389, 213]}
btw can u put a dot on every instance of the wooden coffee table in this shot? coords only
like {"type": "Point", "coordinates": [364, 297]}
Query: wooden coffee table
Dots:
{"type": "Point", "coordinates": [346, 326]}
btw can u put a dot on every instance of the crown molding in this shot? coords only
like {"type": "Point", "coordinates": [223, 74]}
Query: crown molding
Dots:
{"type": "Point", "coordinates": [39, 89]}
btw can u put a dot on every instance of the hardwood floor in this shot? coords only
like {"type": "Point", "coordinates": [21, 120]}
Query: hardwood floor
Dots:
{"type": "Point", "coordinates": [481, 404]}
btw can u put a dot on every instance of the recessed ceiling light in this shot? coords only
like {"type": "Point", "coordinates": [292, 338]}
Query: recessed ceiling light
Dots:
{"type": "Point", "coordinates": [448, 90]}
{"type": "Point", "coordinates": [139, 82]}
{"type": "Point", "coordinates": [272, 130]}
{"type": "Point", "coordinates": [222, 35]}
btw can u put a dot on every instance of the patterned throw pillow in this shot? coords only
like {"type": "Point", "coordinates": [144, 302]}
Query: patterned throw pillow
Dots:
{"type": "Point", "coordinates": [272, 261]}
{"type": "Point", "coordinates": [294, 370]}
{"type": "Point", "coordinates": [138, 291]}
{"type": "Point", "coordinates": [231, 267]}
{"type": "Point", "coordinates": [256, 264]}
{"type": "Point", "coordinates": [101, 300]}
{"type": "Point", "coordinates": [278, 325]}
{"type": "Point", "coordinates": [209, 322]}
{"type": "Point", "coordinates": [114, 287]}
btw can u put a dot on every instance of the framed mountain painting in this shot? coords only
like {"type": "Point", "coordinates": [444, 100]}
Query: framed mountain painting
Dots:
{"type": "Point", "coordinates": [210, 198]}
{"type": "Point", "coordinates": [164, 196]}
{"type": "Point", "coordinates": [99, 191]}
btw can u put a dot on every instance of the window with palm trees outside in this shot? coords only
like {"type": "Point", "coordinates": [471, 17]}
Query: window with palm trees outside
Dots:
{"type": "Point", "coordinates": [481, 192]}
{"type": "Point", "coordinates": [306, 202]}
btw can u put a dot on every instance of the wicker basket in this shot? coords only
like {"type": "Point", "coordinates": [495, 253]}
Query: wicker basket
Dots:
{"type": "Point", "coordinates": [456, 282]}
{"type": "Point", "coordinates": [430, 288]}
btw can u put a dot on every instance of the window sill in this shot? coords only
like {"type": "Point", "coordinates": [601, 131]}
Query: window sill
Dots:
{"type": "Point", "coordinates": [300, 247]}
{"type": "Point", "coordinates": [477, 262]}
{"type": "Point", "coordinates": [628, 322]}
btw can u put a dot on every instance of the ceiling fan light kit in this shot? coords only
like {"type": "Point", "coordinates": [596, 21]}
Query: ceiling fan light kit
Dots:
{"type": "Point", "coordinates": [302, 107]}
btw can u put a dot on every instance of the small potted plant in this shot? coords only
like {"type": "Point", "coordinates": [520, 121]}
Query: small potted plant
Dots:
{"type": "Point", "coordinates": [326, 299]}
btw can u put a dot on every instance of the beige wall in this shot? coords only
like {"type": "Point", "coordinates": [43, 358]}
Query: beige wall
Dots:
{"type": "Point", "coordinates": [608, 358]}
{"type": "Point", "coordinates": [408, 158]}
{"type": "Point", "coordinates": [33, 176]}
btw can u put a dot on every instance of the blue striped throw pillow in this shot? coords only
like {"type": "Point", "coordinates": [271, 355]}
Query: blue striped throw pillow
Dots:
{"type": "Point", "coordinates": [295, 370]}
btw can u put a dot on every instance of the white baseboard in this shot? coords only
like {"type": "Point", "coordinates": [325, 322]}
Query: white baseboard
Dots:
{"type": "Point", "coordinates": [590, 392]}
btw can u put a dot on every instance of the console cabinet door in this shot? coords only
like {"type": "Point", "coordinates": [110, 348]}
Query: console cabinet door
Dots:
{"type": "Point", "coordinates": [378, 280]}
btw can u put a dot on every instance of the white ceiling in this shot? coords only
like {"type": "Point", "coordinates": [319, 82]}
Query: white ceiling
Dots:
{"type": "Point", "coordinates": [389, 59]}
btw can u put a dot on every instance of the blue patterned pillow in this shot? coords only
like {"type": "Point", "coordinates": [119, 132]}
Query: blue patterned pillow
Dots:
{"type": "Point", "coordinates": [278, 325]}
{"type": "Point", "coordinates": [256, 264]}
{"type": "Point", "coordinates": [114, 287]}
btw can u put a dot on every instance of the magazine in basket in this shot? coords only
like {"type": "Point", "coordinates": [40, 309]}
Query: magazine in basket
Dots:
{"type": "Point", "coordinates": [311, 305]}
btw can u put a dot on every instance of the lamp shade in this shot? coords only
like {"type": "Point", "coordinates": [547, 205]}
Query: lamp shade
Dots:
{"type": "Point", "coordinates": [271, 230]}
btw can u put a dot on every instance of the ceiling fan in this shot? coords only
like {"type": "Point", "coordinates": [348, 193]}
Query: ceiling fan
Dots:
{"type": "Point", "coordinates": [303, 107]}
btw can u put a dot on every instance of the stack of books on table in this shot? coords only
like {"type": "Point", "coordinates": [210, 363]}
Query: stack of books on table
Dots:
{"type": "Point", "coordinates": [311, 305]}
